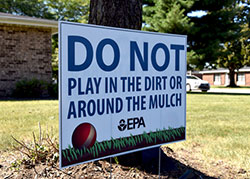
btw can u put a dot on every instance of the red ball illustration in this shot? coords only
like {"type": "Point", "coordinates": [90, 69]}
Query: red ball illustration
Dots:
{"type": "Point", "coordinates": [84, 135]}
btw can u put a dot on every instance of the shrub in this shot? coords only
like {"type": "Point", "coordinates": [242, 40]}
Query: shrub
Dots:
{"type": "Point", "coordinates": [30, 89]}
{"type": "Point", "coordinates": [53, 90]}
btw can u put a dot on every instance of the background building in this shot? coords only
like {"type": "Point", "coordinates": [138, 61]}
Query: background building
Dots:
{"type": "Point", "coordinates": [221, 76]}
{"type": "Point", "coordinates": [25, 50]}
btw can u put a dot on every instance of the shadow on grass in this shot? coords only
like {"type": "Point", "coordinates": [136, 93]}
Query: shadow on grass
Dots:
{"type": "Point", "coordinates": [148, 161]}
{"type": "Point", "coordinates": [228, 87]}
{"type": "Point", "coordinates": [26, 99]}
{"type": "Point", "coordinates": [218, 93]}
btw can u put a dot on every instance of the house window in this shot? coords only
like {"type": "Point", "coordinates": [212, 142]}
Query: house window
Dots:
{"type": "Point", "coordinates": [240, 78]}
{"type": "Point", "coordinates": [217, 79]}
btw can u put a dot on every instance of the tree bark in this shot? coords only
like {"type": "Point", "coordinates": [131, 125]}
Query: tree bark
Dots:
{"type": "Point", "coordinates": [123, 14]}
{"type": "Point", "coordinates": [116, 13]}
{"type": "Point", "coordinates": [231, 77]}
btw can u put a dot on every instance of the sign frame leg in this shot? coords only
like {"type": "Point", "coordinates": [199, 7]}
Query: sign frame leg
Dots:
{"type": "Point", "coordinates": [159, 169]}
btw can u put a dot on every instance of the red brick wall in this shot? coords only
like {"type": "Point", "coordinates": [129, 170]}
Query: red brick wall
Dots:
{"type": "Point", "coordinates": [25, 53]}
{"type": "Point", "coordinates": [209, 78]}
{"type": "Point", "coordinates": [247, 78]}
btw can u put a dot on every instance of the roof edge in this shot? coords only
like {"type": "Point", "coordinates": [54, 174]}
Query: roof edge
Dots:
{"type": "Point", "coordinates": [223, 71]}
{"type": "Point", "coordinates": [29, 21]}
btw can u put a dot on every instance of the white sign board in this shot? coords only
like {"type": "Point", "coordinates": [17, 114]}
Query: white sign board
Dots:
{"type": "Point", "coordinates": [120, 91]}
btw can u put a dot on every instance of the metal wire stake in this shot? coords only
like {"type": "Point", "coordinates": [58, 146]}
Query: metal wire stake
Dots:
{"type": "Point", "coordinates": [159, 171]}
{"type": "Point", "coordinates": [110, 161]}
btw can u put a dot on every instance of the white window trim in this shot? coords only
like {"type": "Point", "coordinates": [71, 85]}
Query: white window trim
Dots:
{"type": "Point", "coordinates": [219, 81]}
{"type": "Point", "coordinates": [242, 82]}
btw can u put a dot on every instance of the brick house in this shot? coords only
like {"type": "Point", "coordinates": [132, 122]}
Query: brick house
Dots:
{"type": "Point", "coordinates": [221, 76]}
{"type": "Point", "coordinates": [25, 50]}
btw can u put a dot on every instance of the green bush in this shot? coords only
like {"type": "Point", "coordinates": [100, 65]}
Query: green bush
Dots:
{"type": "Point", "coordinates": [53, 90]}
{"type": "Point", "coordinates": [30, 89]}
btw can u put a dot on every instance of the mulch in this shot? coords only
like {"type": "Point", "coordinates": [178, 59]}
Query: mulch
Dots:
{"type": "Point", "coordinates": [174, 164]}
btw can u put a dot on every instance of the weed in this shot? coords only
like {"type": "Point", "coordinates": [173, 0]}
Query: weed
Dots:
{"type": "Point", "coordinates": [40, 150]}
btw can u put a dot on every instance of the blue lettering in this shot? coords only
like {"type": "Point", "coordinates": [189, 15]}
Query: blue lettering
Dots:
{"type": "Point", "coordinates": [179, 79]}
{"type": "Point", "coordinates": [123, 83]}
{"type": "Point", "coordinates": [97, 84]}
{"type": "Point", "coordinates": [138, 83]}
{"type": "Point", "coordinates": [89, 87]}
{"type": "Point", "coordinates": [72, 110]}
{"type": "Point", "coordinates": [161, 101]}
{"type": "Point", "coordinates": [135, 54]}
{"type": "Point", "coordinates": [178, 99]}
{"type": "Point", "coordinates": [71, 53]}
{"type": "Point", "coordinates": [110, 106]}
{"type": "Point", "coordinates": [91, 107]}
{"type": "Point", "coordinates": [100, 106]}
{"type": "Point", "coordinates": [135, 50]}
{"type": "Point", "coordinates": [167, 105]}
{"type": "Point", "coordinates": [172, 82]}
{"type": "Point", "coordinates": [136, 103]}
{"type": "Point", "coordinates": [113, 85]}
{"type": "Point", "coordinates": [147, 83]}
{"type": "Point", "coordinates": [106, 85]}
{"type": "Point", "coordinates": [158, 83]}
{"type": "Point", "coordinates": [171, 100]}
{"type": "Point", "coordinates": [131, 84]}
{"type": "Point", "coordinates": [128, 98]}
{"type": "Point", "coordinates": [81, 108]}
{"type": "Point", "coordinates": [143, 103]}
{"type": "Point", "coordinates": [177, 49]}
{"type": "Point", "coordinates": [71, 85]}
{"type": "Point", "coordinates": [152, 102]}
{"type": "Point", "coordinates": [119, 105]}
{"type": "Point", "coordinates": [99, 57]}
{"type": "Point", "coordinates": [80, 92]}
{"type": "Point", "coordinates": [153, 57]}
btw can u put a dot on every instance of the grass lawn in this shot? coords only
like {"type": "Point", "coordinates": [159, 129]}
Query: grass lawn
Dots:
{"type": "Point", "coordinates": [218, 126]}
{"type": "Point", "coordinates": [21, 118]}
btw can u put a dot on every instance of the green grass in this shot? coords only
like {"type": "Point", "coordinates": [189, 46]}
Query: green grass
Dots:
{"type": "Point", "coordinates": [218, 128]}
{"type": "Point", "coordinates": [21, 118]}
{"type": "Point", "coordinates": [122, 144]}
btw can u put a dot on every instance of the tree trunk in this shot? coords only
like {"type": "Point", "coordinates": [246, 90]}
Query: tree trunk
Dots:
{"type": "Point", "coordinates": [123, 14]}
{"type": "Point", "coordinates": [231, 77]}
{"type": "Point", "coordinates": [116, 13]}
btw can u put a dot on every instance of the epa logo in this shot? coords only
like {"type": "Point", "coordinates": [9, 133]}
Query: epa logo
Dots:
{"type": "Point", "coordinates": [131, 123]}
{"type": "Point", "coordinates": [122, 126]}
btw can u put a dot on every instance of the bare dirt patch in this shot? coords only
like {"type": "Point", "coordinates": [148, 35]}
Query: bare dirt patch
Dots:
{"type": "Point", "coordinates": [174, 165]}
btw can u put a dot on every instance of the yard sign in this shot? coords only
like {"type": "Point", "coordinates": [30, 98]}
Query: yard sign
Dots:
{"type": "Point", "coordinates": [121, 91]}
